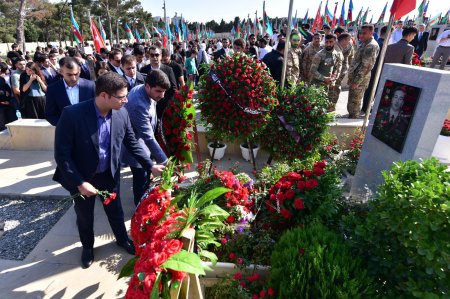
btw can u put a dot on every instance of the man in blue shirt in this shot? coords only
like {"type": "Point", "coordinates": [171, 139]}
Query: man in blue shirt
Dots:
{"type": "Point", "coordinates": [88, 142]}
{"type": "Point", "coordinates": [141, 107]}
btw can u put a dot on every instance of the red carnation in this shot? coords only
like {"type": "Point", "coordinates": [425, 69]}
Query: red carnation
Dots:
{"type": "Point", "coordinates": [318, 171]}
{"type": "Point", "coordinates": [307, 173]}
{"type": "Point", "coordinates": [299, 204]}
{"type": "Point", "coordinates": [230, 219]}
{"type": "Point", "coordinates": [301, 185]}
{"type": "Point", "coordinates": [310, 184]}
{"type": "Point", "coordinates": [237, 276]}
{"type": "Point", "coordinates": [290, 194]}
{"type": "Point", "coordinates": [285, 213]}
{"type": "Point", "coordinates": [271, 292]}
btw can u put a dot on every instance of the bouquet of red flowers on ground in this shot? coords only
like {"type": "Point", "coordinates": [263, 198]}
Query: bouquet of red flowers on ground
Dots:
{"type": "Point", "coordinates": [297, 125]}
{"type": "Point", "coordinates": [299, 196]}
{"type": "Point", "coordinates": [416, 60]}
{"type": "Point", "coordinates": [177, 125]}
{"type": "Point", "coordinates": [236, 96]}
{"type": "Point", "coordinates": [161, 263]}
{"type": "Point", "coordinates": [446, 128]}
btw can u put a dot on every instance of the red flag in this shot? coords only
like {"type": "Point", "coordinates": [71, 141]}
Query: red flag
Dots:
{"type": "Point", "coordinates": [98, 40]}
{"type": "Point", "coordinates": [402, 7]}
{"type": "Point", "coordinates": [318, 20]}
{"type": "Point", "coordinates": [333, 24]}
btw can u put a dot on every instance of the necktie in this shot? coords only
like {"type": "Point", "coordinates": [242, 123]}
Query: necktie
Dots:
{"type": "Point", "coordinates": [131, 82]}
{"type": "Point", "coordinates": [420, 35]}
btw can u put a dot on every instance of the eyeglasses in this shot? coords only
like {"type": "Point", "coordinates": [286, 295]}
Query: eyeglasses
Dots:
{"type": "Point", "coordinates": [119, 98]}
{"type": "Point", "coordinates": [154, 55]}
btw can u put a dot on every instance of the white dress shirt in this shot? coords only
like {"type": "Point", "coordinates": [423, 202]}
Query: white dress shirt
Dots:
{"type": "Point", "coordinates": [73, 92]}
{"type": "Point", "coordinates": [445, 34]}
{"type": "Point", "coordinates": [396, 36]}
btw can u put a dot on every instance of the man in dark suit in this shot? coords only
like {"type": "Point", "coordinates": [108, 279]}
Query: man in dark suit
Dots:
{"type": "Point", "coordinates": [155, 64]}
{"type": "Point", "coordinates": [129, 67]}
{"type": "Point", "coordinates": [48, 71]}
{"type": "Point", "coordinates": [274, 61]}
{"type": "Point", "coordinates": [88, 141]}
{"type": "Point", "coordinates": [114, 60]}
{"type": "Point", "coordinates": [401, 51]}
{"type": "Point", "coordinates": [420, 42]}
{"type": "Point", "coordinates": [69, 91]}
{"type": "Point", "coordinates": [225, 51]}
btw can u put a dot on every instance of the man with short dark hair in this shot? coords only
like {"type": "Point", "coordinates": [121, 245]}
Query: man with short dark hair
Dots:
{"type": "Point", "coordinates": [176, 67]}
{"type": "Point", "coordinates": [225, 51]}
{"type": "Point", "coordinates": [50, 74]}
{"type": "Point", "coordinates": [155, 64]}
{"type": "Point", "coordinates": [141, 107]}
{"type": "Point", "coordinates": [396, 34]}
{"type": "Point", "coordinates": [345, 46]}
{"type": "Point", "coordinates": [326, 67]}
{"type": "Point", "coordinates": [239, 45]}
{"type": "Point", "coordinates": [134, 78]}
{"type": "Point", "coordinates": [88, 142]}
{"type": "Point", "coordinates": [274, 61]}
{"type": "Point", "coordinates": [401, 51]}
{"type": "Point", "coordinates": [20, 65]}
{"type": "Point", "coordinates": [69, 91]}
{"type": "Point", "coordinates": [308, 55]}
{"type": "Point", "coordinates": [253, 50]}
{"type": "Point", "coordinates": [114, 60]}
{"type": "Point", "coordinates": [359, 71]}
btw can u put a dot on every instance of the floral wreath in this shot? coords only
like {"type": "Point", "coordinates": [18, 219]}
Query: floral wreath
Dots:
{"type": "Point", "coordinates": [237, 95]}
{"type": "Point", "coordinates": [297, 125]}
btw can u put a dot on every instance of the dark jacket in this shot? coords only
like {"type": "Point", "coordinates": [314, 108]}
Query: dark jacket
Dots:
{"type": "Point", "coordinates": [140, 79]}
{"type": "Point", "coordinates": [399, 52]}
{"type": "Point", "coordinates": [168, 96]}
{"type": "Point", "coordinates": [274, 61]}
{"type": "Point", "coordinates": [420, 45]}
{"type": "Point", "coordinates": [76, 145]}
{"type": "Point", "coordinates": [57, 98]}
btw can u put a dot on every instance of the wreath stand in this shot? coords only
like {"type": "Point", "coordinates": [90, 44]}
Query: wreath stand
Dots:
{"type": "Point", "coordinates": [190, 286]}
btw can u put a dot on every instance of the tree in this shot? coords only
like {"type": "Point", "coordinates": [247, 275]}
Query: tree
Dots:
{"type": "Point", "coordinates": [20, 34]}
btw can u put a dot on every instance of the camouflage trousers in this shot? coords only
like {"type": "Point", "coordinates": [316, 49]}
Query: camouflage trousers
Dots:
{"type": "Point", "coordinates": [355, 96]}
{"type": "Point", "coordinates": [333, 94]}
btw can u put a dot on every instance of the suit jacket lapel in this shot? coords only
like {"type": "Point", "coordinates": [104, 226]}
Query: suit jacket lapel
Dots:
{"type": "Point", "coordinates": [114, 126]}
{"type": "Point", "coordinates": [82, 92]}
{"type": "Point", "coordinates": [91, 120]}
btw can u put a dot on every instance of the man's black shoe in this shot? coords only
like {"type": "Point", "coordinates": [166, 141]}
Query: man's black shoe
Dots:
{"type": "Point", "coordinates": [128, 246]}
{"type": "Point", "coordinates": [87, 257]}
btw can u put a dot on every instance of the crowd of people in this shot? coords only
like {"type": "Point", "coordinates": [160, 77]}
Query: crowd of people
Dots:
{"type": "Point", "coordinates": [82, 93]}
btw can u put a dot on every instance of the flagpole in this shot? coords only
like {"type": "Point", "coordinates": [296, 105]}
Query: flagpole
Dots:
{"type": "Point", "coordinates": [286, 47]}
{"type": "Point", "coordinates": [264, 19]}
{"type": "Point", "coordinates": [378, 71]}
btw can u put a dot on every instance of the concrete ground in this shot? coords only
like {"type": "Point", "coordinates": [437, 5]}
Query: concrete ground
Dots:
{"type": "Point", "coordinates": [52, 269]}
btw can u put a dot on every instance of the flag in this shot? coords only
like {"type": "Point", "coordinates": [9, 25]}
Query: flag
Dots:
{"type": "Point", "coordinates": [334, 16]}
{"type": "Point", "coordinates": [434, 20]}
{"type": "Point", "coordinates": [358, 18]}
{"type": "Point", "coordinates": [154, 29]}
{"type": "Point", "coordinates": [425, 10]}
{"type": "Point", "coordinates": [75, 28]}
{"type": "Point", "coordinates": [128, 31]}
{"type": "Point", "coordinates": [401, 8]}
{"type": "Point", "coordinates": [383, 13]}
{"type": "Point", "coordinates": [350, 11]}
{"type": "Point", "coordinates": [342, 18]}
{"type": "Point", "coordinates": [147, 33]}
{"type": "Point", "coordinates": [305, 20]}
{"type": "Point", "coordinates": [364, 18]}
{"type": "Point", "coordinates": [303, 32]}
{"type": "Point", "coordinates": [98, 40]}
{"type": "Point", "coordinates": [294, 21]}
{"type": "Point", "coordinates": [318, 20]}
{"type": "Point", "coordinates": [138, 36]}
{"type": "Point", "coordinates": [371, 20]}
{"type": "Point", "coordinates": [168, 32]}
{"type": "Point", "coordinates": [102, 31]}
{"type": "Point", "coordinates": [328, 15]}
{"type": "Point", "coordinates": [420, 10]}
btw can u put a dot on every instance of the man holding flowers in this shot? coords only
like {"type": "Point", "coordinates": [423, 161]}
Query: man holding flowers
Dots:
{"type": "Point", "coordinates": [88, 141]}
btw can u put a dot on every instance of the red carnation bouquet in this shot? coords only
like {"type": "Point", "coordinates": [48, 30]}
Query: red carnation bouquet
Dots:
{"type": "Point", "coordinates": [177, 125]}
{"type": "Point", "coordinates": [297, 125]}
{"type": "Point", "coordinates": [237, 95]}
{"type": "Point", "coordinates": [156, 228]}
{"type": "Point", "coordinates": [296, 197]}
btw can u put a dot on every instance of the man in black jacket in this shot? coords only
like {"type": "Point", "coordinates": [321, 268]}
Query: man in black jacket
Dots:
{"type": "Point", "coordinates": [274, 61]}
{"type": "Point", "coordinates": [155, 64]}
{"type": "Point", "coordinates": [420, 42]}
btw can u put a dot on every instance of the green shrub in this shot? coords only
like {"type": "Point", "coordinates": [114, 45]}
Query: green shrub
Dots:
{"type": "Point", "coordinates": [226, 288]}
{"type": "Point", "coordinates": [316, 263]}
{"type": "Point", "coordinates": [406, 235]}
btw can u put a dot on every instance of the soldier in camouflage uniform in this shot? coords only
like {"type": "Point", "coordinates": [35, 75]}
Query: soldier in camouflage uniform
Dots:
{"type": "Point", "coordinates": [293, 59]}
{"type": "Point", "coordinates": [359, 72]}
{"type": "Point", "coordinates": [308, 55]}
{"type": "Point", "coordinates": [345, 46]}
{"type": "Point", "coordinates": [326, 65]}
